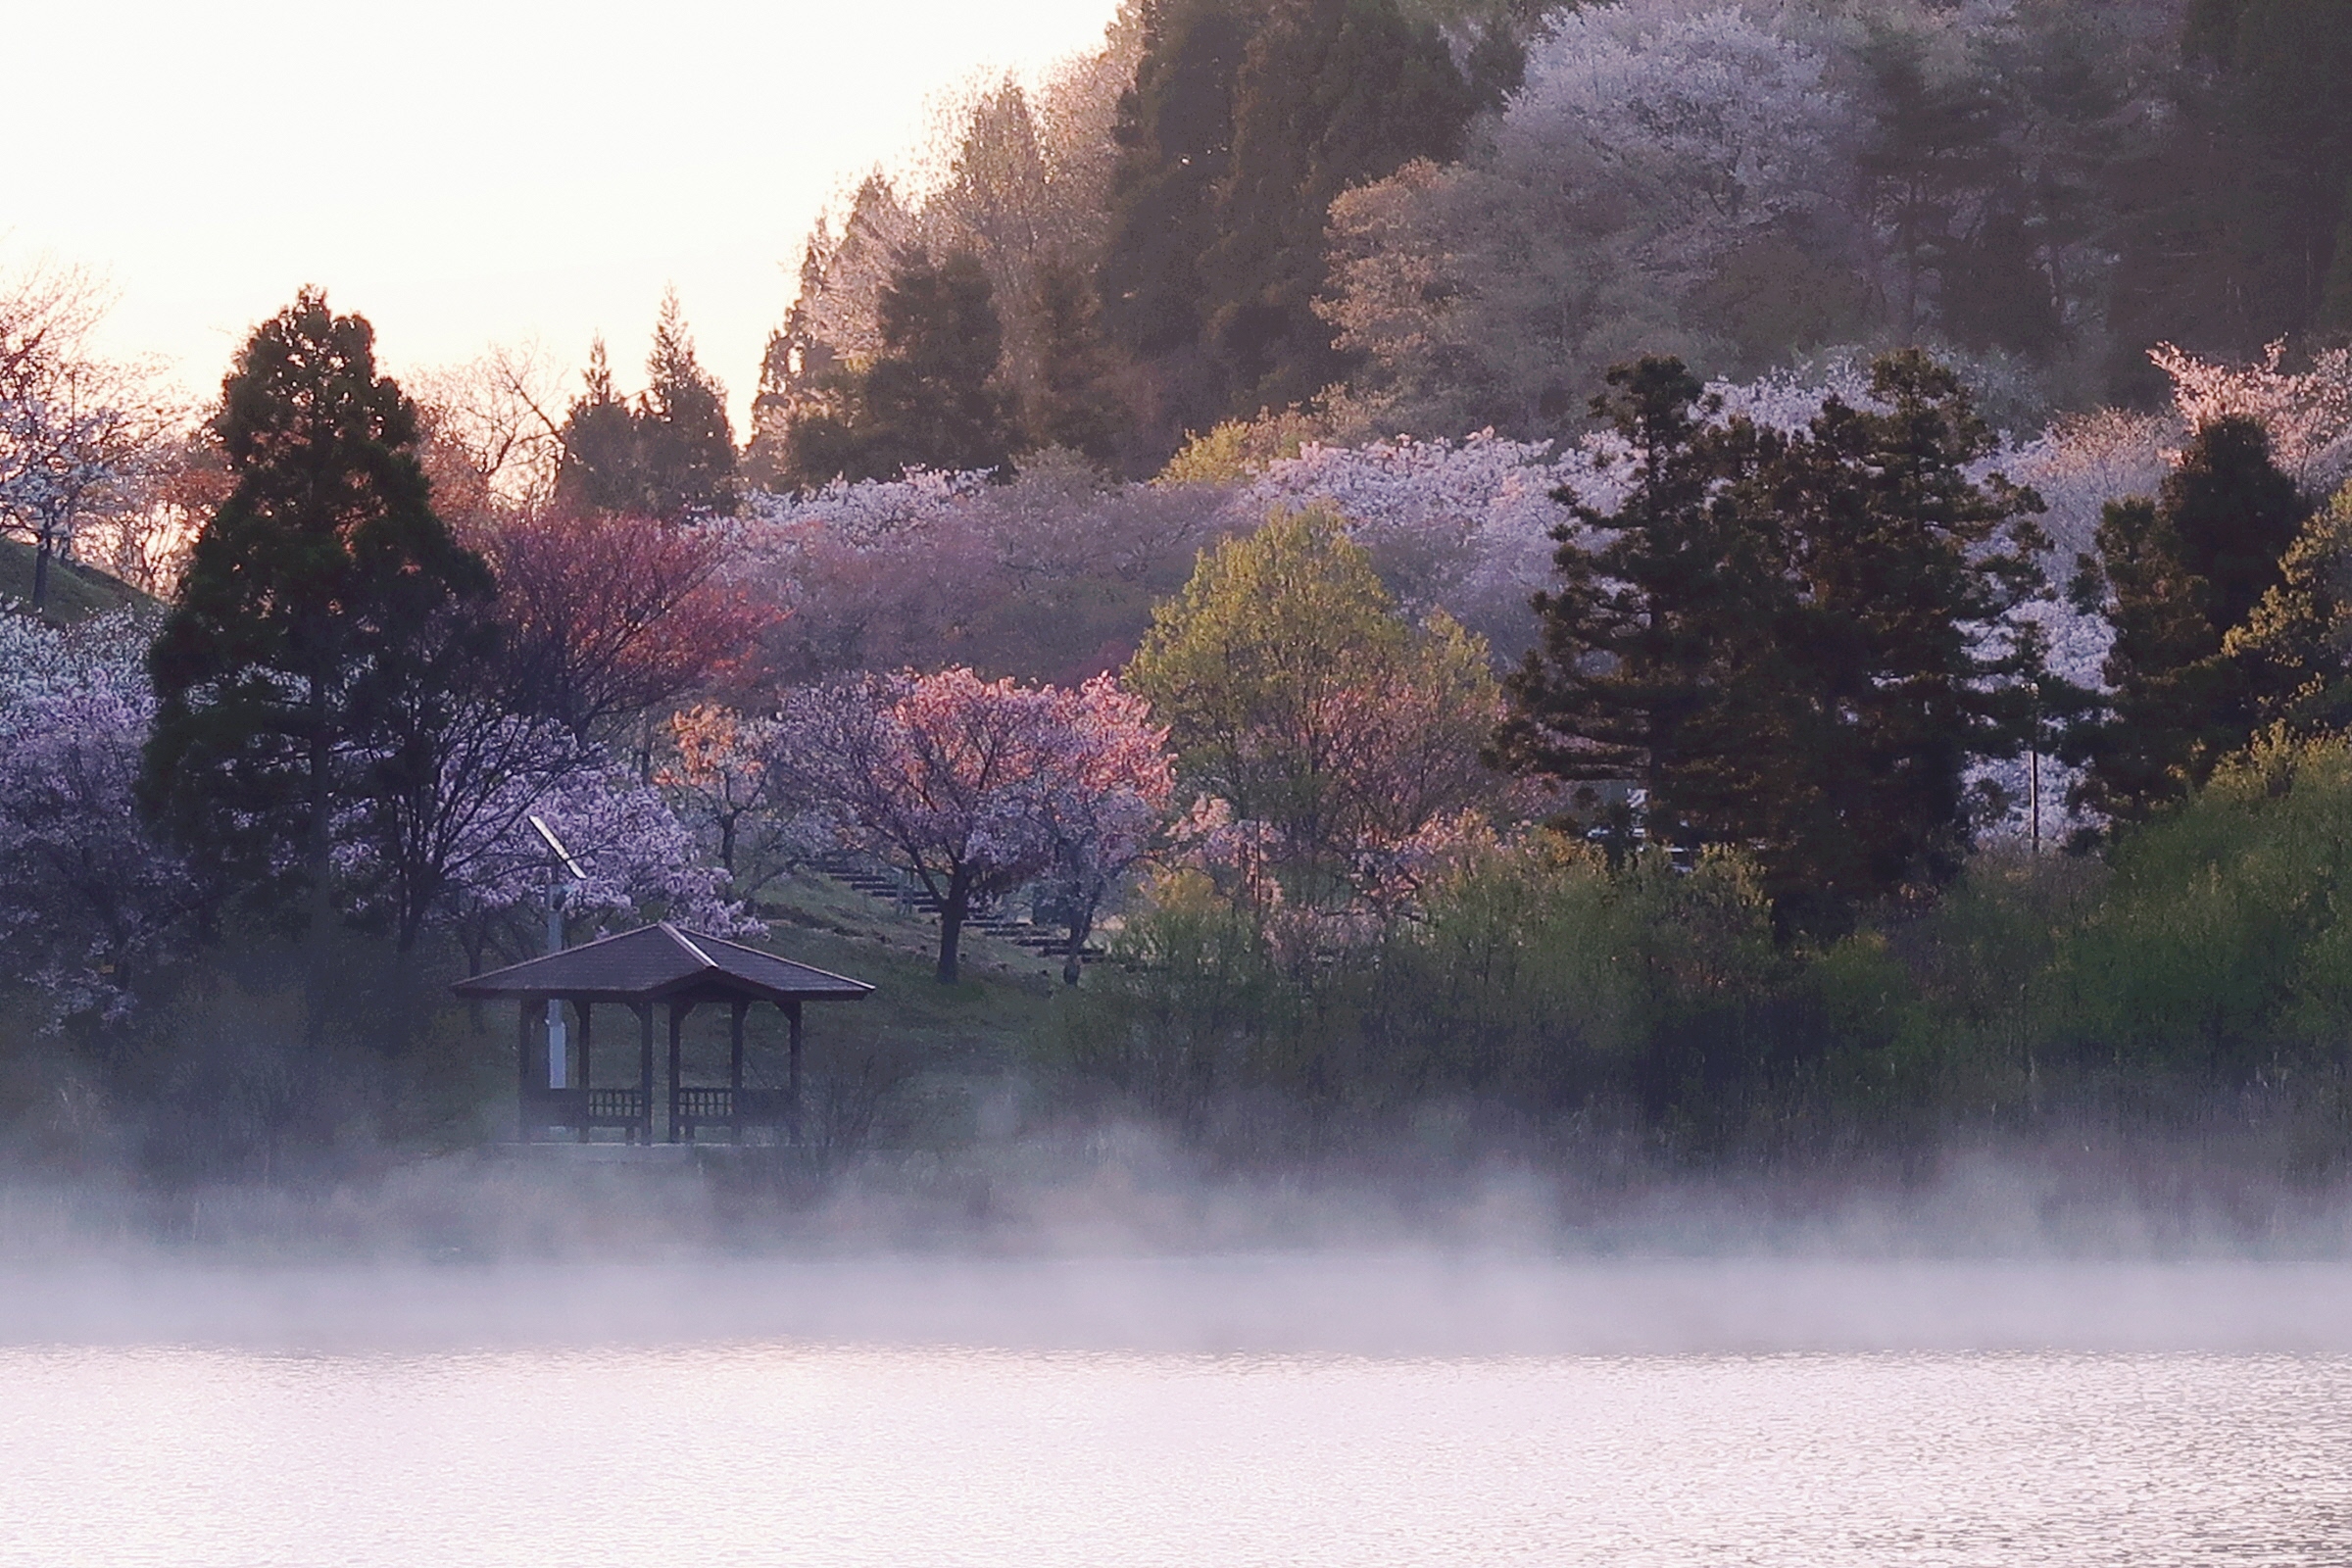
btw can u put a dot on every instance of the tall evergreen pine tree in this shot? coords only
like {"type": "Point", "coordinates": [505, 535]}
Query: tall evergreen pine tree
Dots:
{"type": "Point", "coordinates": [2176, 578]}
{"type": "Point", "coordinates": [1790, 643]}
{"type": "Point", "coordinates": [321, 590]}
{"type": "Point", "coordinates": [929, 400]}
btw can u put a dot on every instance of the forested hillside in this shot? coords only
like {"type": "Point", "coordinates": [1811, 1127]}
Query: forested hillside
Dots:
{"type": "Point", "coordinates": [1438, 218]}
{"type": "Point", "coordinates": [1769, 577]}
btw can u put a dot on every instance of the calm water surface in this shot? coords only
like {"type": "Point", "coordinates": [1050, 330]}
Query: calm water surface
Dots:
{"type": "Point", "coordinates": [796, 1452]}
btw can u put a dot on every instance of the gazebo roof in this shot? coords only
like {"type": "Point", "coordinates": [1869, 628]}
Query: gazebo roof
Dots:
{"type": "Point", "coordinates": [660, 962]}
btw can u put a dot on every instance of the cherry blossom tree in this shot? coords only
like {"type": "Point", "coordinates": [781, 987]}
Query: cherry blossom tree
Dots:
{"type": "Point", "coordinates": [493, 431]}
{"type": "Point", "coordinates": [79, 433]}
{"type": "Point", "coordinates": [719, 782]}
{"type": "Point", "coordinates": [1049, 577]}
{"type": "Point", "coordinates": [1465, 527]}
{"type": "Point", "coordinates": [966, 782]}
{"type": "Point", "coordinates": [145, 539]}
{"type": "Point", "coordinates": [2307, 414]}
{"type": "Point", "coordinates": [641, 863]}
{"type": "Point", "coordinates": [609, 616]}
{"type": "Point", "coordinates": [1109, 812]}
{"type": "Point", "coordinates": [91, 900]}
{"type": "Point", "coordinates": [452, 780]}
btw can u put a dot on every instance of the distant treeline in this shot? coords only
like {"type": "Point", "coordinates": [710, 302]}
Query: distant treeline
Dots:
{"type": "Point", "coordinates": [1440, 216]}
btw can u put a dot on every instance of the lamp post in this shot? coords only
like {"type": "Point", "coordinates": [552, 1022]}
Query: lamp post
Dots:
{"type": "Point", "coordinates": [560, 862]}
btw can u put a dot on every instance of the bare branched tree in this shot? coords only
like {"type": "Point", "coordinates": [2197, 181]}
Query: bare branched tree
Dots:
{"type": "Point", "coordinates": [493, 428]}
{"type": "Point", "coordinates": [81, 437]}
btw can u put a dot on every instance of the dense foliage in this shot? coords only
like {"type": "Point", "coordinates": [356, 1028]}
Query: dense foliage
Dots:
{"type": "Point", "coordinates": [1793, 642]}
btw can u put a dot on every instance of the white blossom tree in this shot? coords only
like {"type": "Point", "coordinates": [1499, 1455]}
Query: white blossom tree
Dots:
{"type": "Point", "coordinates": [1649, 145]}
{"type": "Point", "coordinates": [2307, 414]}
{"type": "Point", "coordinates": [90, 901]}
{"type": "Point", "coordinates": [80, 436]}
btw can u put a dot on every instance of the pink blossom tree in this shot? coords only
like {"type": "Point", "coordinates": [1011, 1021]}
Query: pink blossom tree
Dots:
{"type": "Point", "coordinates": [1109, 812]}
{"type": "Point", "coordinates": [2307, 414]}
{"type": "Point", "coordinates": [975, 787]}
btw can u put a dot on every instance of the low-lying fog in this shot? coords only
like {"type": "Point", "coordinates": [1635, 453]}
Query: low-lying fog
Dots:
{"type": "Point", "coordinates": [1397, 1303]}
{"type": "Point", "coordinates": [1105, 1356]}
{"type": "Point", "coordinates": [1122, 1248]}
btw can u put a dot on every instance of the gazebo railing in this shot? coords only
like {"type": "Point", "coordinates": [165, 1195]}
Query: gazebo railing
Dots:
{"type": "Point", "coordinates": [720, 1106]}
{"type": "Point", "coordinates": [578, 1110]}
{"type": "Point", "coordinates": [706, 1104]}
{"type": "Point", "coordinates": [615, 1107]}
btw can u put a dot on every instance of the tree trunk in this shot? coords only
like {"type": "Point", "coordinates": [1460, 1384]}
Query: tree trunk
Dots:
{"type": "Point", "coordinates": [1082, 926]}
{"type": "Point", "coordinates": [952, 911]}
{"type": "Point", "coordinates": [475, 940]}
{"type": "Point", "coordinates": [40, 571]}
{"type": "Point", "coordinates": [320, 858]}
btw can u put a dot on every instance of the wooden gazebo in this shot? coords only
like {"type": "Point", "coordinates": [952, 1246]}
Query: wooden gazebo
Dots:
{"type": "Point", "coordinates": [655, 965]}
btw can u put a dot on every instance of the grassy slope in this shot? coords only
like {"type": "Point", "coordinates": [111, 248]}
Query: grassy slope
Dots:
{"type": "Point", "coordinates": [947, 1047]}
{"type": "Point", "coordinates": [977, 1024]}
{"type": "Point", "coordinates": [76, 592]}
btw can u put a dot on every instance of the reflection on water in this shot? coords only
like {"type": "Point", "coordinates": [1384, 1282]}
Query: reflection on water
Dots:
{"type": "Point", "coordinates": [783, 1453]}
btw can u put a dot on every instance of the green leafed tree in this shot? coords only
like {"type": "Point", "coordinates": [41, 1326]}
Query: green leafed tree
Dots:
{"type": "Point", "coordinates": [321, 595]}
{"type": "Point", "coordinates": [2296, 646]}
{"type": "Point", "coordinates": [1298, 693]}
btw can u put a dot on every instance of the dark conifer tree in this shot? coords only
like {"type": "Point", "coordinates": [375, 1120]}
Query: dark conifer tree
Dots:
{"type": "Point", "coordinates": [1789, 643]}
{"type": "Point", "coordinates": [2233, 514]}
{"type": "Point", "coordinates": [1331, 93]}
{"type": "Point", "coordinates": [671, 454]}
{"type": "Point", "coordinates": [1175, 136]}
{"type": "Point", "coordinates": [2173, 711]}
{"type": "Point", "coordinates": [1076, 405]}
{"type": "Point", "coordinates": [602, 469]}
{"type": "Point", "coordinates": [1933, 154]}
{"type": "Point", "coordinates": [1242, 124]}
{"type": "Point", "coordinates": [929, 400]}
{"type": "Point", "coordinates": [1659, 667]}
{"type": "Point", "coordinates": [2175, 578]}
{"type": "Point", "coordinates": [321, 594]}
{"type": "Point", "coordinates": [1904, 566]}
{"type": "Point", "coordinates": [2233, 236]}
{"type": "Point", "coordinates": [685, 444]}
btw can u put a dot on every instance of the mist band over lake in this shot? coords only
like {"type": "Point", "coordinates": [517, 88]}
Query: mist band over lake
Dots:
{"type": "Point", "coordinates": [1302, 1409]}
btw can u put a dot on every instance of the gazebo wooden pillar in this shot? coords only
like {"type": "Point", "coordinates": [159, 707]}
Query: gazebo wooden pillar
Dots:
{"type": "Point", "coordinates": [657, 964]}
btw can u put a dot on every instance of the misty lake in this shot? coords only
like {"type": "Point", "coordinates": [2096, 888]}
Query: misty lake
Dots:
{"type": "Point", "coordinates": [223, 1418]}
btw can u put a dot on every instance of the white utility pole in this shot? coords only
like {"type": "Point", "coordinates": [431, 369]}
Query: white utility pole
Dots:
{"type": "Point", "coordinates": [559, 1046]}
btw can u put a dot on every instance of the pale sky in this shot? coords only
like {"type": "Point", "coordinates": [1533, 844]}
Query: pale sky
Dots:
{"type": "Point", "coordinates": [470, 172]}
